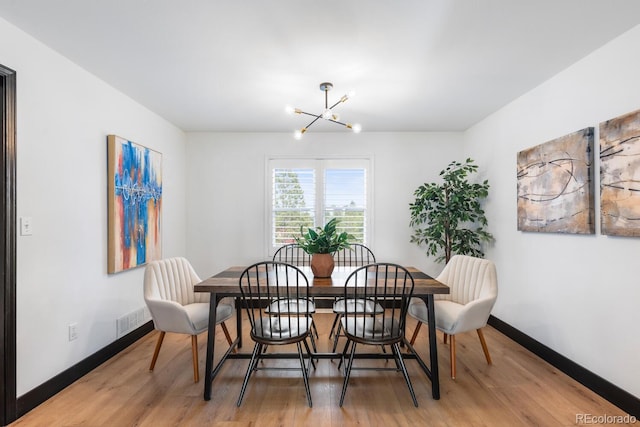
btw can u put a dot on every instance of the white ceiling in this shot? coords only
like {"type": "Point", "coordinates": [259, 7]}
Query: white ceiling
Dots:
{"type": "Point", "coordinates": [416, 65]}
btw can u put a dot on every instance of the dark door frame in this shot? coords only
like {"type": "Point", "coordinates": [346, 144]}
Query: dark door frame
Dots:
{"type": "Point", "coordinates": [8, 398]}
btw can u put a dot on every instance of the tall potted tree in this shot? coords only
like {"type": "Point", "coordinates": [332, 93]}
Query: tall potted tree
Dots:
{"type": "Point", "coordinates": [448, 217]}
{"type": "Point", "coordinates": [321, 243]}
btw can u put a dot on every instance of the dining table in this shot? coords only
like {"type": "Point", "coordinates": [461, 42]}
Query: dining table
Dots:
{"type": "Point", "coordinates": [226, 284]}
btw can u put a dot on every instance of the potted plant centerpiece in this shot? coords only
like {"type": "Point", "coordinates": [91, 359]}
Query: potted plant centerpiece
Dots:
{"type": "Point", "coordinates": [321, 244]}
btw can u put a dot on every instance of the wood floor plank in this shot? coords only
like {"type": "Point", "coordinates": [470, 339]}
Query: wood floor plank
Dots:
{"type": "Point", "coordinates": [517, 389]}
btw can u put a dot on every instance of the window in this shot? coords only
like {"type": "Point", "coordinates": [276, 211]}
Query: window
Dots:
{"type": "Point", "coordinates": [310, 192]}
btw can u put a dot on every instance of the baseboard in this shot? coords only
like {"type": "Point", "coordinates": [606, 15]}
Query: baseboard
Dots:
{"type": "Point", "coordinates": [614, 394]}
{"type": "Point", "coordinates": [48, 389]}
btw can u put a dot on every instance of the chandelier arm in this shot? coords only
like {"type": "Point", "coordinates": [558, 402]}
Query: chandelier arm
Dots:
{"type": "Point", "coordinates": [312, 121]}
{"type": "Point", "coordinates": [339, 101]}
{"type": "Point", "coordinates": [340, 123]}
{"type": "Point", "coordinates": [309, 114]}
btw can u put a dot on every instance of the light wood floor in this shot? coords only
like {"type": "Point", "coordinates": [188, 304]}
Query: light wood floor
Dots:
{"type": "Point", "coordinates": [519, 389]}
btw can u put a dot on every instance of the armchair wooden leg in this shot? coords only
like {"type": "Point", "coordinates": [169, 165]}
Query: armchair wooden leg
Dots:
{"type": "Point", "coordinates": [157, 350]}
{"type": "Point", "coordinates": [452, 354]}
{"type": "Point", "coordinates": [484, 346]}
{"type": "Point", "coordinates": [194, 350]}
{"type": "Point", "coordinates": [444, 338]}
{"type": "Point", "coordinates": [226, 334]}
{"type": "Point", "coordinates": [415, 333]}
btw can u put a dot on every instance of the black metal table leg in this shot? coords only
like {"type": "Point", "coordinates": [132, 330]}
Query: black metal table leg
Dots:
{"type": "Point", "coordinates": [433, 349]}
{"type": "Point", "coordinates": [238, 321]}
{"type": "Point", "coordinates": [211, 340]}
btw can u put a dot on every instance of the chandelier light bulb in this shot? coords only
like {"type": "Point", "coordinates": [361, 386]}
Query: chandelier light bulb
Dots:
{"type": "Point", "coordinates": [289, 109]}
{"type": "Point", "coordinates": [327, 114]}
{"type": "Point", "coordinates": [356, 128]}
{"type": "Point", "coordinates": [297, 135]}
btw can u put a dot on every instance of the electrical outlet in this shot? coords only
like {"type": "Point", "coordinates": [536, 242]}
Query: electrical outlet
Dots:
{"type": "Point", "coordinates": [73, 331]}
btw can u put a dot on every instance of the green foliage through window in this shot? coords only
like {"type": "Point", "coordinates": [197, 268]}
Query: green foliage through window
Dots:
{"type": "Point", "coordinates": [290, 209]}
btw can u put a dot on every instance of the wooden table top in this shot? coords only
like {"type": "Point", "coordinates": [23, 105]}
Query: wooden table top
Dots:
{"type": "Point", "coordinates": [226, 282]}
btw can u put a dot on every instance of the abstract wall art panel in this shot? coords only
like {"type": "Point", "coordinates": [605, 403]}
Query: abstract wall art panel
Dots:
{"type": "Point", "coordinates": [620, 175]}
{"type": "Point", "coordinates": [134, 203]}
{"type": "Point", "coordinates": [555, 185]}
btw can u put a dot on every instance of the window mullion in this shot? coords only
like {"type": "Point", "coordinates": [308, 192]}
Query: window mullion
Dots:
{"type": "Point", "coordinates": [320, 193]}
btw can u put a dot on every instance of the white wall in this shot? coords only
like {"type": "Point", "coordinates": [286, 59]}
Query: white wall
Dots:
{"type": "Point", "coordinates": [578, 295]}
{"type": "Point", "coordinates": [226, 185]}
{"type": "Point", "coordinates": [64, 115]}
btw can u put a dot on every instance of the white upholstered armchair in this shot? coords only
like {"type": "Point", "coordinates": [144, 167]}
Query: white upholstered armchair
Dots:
{"type": "Point", "coordinates": [473, 287]}
{"type": "Point", "coordinates": [176, 307]}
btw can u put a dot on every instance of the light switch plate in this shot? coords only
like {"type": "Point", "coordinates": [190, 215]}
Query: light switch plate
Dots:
{"type": "Point", "coordinates": [25, 226]}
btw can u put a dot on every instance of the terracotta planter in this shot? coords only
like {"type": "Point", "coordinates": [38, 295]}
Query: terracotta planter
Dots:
{"type": "Point", "coordinates": [322, 265]}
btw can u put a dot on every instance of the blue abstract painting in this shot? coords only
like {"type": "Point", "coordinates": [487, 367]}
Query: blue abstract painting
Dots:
{"type": "Point", "coordinates": [135, 204]}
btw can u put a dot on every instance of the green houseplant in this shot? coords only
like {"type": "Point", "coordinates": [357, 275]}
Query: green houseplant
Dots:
{"type": "Point", "coordinates": [321, 243]}
{"type": "Point", "coordinates": [448, 217]}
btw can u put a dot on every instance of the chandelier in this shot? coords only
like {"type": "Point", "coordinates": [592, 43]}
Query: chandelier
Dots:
{"type": "Point", "coordinates": [328, 113]}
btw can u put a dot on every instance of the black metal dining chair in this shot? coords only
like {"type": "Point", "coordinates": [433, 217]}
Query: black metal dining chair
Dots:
{"type": "Point", "coordinates": [260, 285]}
{"type": "Point", "coordinates": [293, 254]}
{"type": "Point", "coordinates": [356, 255]}
{"type": "Point", "coordinates": [390, 286]}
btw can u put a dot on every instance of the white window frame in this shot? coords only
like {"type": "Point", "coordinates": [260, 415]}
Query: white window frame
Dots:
{"type": "Point", "coordinates": [319, 164]}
